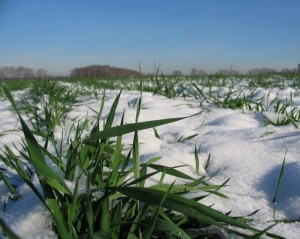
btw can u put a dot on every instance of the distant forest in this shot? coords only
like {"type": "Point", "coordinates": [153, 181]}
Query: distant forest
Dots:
{"type": "Point", "coordinates": [97, 71]}
{"type": "Point", "coordinates": [22, 73]}
{"type": "Point", "coordinates": [105, 71]}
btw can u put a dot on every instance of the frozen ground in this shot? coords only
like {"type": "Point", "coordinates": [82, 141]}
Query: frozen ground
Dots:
{"type": "Point", "coordinates": [231, 137]}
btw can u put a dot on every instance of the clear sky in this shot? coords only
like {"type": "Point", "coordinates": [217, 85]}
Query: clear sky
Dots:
{"type": "Point", "coordinates": [59, 35]}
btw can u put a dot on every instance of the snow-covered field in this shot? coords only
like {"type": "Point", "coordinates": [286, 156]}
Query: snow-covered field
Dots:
{"type": "Point", "coordinates": [232, 138]}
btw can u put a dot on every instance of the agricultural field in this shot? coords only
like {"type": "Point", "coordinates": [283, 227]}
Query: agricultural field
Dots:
{"type": "Point", "coordinates": [160, 157]}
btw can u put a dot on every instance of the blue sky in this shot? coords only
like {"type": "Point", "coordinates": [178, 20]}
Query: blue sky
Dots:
{"type": "Point", "coordinates": [60, 35]}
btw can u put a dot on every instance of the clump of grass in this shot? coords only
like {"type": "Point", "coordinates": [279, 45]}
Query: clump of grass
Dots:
{"type": "Point", "coordinates": [167, 87]}
{"type": "Point", "coordinates": [266, 81]}
{"type": "Point", "coordinates": [285, 113]}
{"type": "Point", "coordinates": [115, 202]}
{"type": "Point", "coordinates": [14, 85]}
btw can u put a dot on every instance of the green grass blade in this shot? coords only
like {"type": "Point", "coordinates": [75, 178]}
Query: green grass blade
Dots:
{"type": "Point", "coordinates": [71, 161]}
{"type": "Point", "coordinates": [56, 213]}
{"type": "Point", "coordinates": [72, 209]}
{"type": "Point", "coordinates": [7, 183]}
{"type": "Point", "coordinates": [17, 165]}
{"type": "Point", "coordinates": [196, 182]}
{"type": "Point", "coordinates": [56, 185]}
{"type": "Point", "coordinates": [7, 231]}
{"type": "Point", "coordinates": [151, 224]}
{"type": "Point", "coordinates": [140, 179]}
{"type": "Point", "coordinates": [48, 173]}
{"type": "Point", "coordinates": [259, 234]}
{"type": "Point", "coordinates": [116, 162]}
{"type": "Point", "coordinates": [138, 110]}
{"type": "Point", "coordinates": [217, 194]}
{"type": "Point", "coordinates": [200, 92]}
{"type": "Point", "coordinates": [116, 217]}
{"type": "Point", "coordinates": [105, 216]}
{"type": "Point", "coordinates": [10, 97]}
{"type": "Point", "coordinates": [156, 133]}
{"type": "Point", "coordinates": [188, 138]}
{"type": "Point", "coordinates": [88, 209]}
{"type": "Point", "coordinates": [140, 217]}
{"type": "Point", "coordinates": [153, 160]}
{"type": "Point", "coordinates": [136, 156]}
{"type": "Point", "coordinates": [112, 112]}
{"type": "Point", "coordinates": [129, 128]}
{"type": "Point", "coordinates": [171, 171]}
{"type": "Point", "coordinates": [55, 160]}
{"type": "Point", "coordinates": [197, 159]}
{"type": "Point", "coordinates": [278, 184]}
{"type": "Point", "coordinates": [186, 206]}
{"type": "Point", "coordinates": [207, 162]}
{"type": "Point", "coordinates": [169, 226]}
{"type": "Point", "coordinates": [266, 134]}
{"type": "Point", "coordinates": [33, 147]}
{"type": "Point", "coordinates": [183, 189]}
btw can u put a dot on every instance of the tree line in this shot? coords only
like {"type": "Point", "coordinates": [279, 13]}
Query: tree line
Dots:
{"type": "Point", "coordinates": [98, 71]}
{"type": "Point", "coordinates": [106, 71]}
{"type": "Point", "coordinates": [10, 72]}
{"type": "Point", "coordinates": [255, 71]}
{"type": "Point", "coordinates": [258, 71]}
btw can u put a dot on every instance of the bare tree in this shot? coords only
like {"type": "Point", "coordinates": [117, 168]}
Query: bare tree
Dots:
{"type": "Point", "coordinates": [202, 73]}
{"type": "Point", "coordinates": [257, 71]}
{"type": "Point", "coordinates": [286, 70]}
{"type": "Point", "coordinates": [8, 72]}
{"type": "Point", "coordinates": [20, 72]}
{"type": "Point", "coordinates": [194, 72]}
{"type": "Point", "coordinates": [28, 73]}
{"type": "Point", "coordinates": [74, 73]}
{"type": "Point", "coordinates": [224, 71]}
{"type": "Point", "coordinates": [177, 73]}
{"type": "Point", "coordinates": [41, 73]}
{"type": "Point", "coordinates": [234, 72]}
{"type": "Point", "coordinates": [24, 73]}
{"type": "Point", "coordinates": [97, 71]}
{"type": "Point", "coordinates": [1, 74]}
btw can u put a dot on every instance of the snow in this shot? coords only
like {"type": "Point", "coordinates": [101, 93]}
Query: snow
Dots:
{"type": "Point", "coordinates": [232, 138]}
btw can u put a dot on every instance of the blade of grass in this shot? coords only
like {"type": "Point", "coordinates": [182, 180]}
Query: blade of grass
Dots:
{"type": "Point", "coordinates": [188, 138]}
{"type": "Point", "coordinates": [116, 162]}
{"type": "Point", "coordinates": [33, 147]}
{"type": "Point", "coordinates": [186, 206]}
{"type": "Point", "coordinates": [151, 224]}
{"type": "Point", "coordinates": [16, 164]}
{"type": "Point", "coordinates": [171, 171]}
{"type": "Point", "coordinates": [7, 231]}
{"type": "Point", "coordinates": [259, 234]}
{"type": "Point", "coordinates": [278, 184]}
{"type": "Point", "coordinates": [197, 158]}
{"type": "Point", "coordinates": [48, 174]}
{"type": "Point", "coordinates": [169, 226]}
{"type": "Point", "coordinates": [129, 128]}
{"type": "Point", "coordinates": [88, 209]}
{"type": "Point", "coordinates": [112, 112]}
{"type": "Point", "coordinates": [156, 133]}
{"type": "Point", "coordinates": [136, 156]}
{"type": "Point", "coordinates": [7, 183]}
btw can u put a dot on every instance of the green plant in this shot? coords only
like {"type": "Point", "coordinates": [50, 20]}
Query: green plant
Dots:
{"type": "Point", "coordinates": [285, 113]}
{"type": "Point", "coordinates": [278, 185]}
{"type": "Point", "coordinates": [14, 85]}
{"type": "Point", "coordinates": [166, 87]}
{"type": "Point", "coordinates": [115, 203]}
